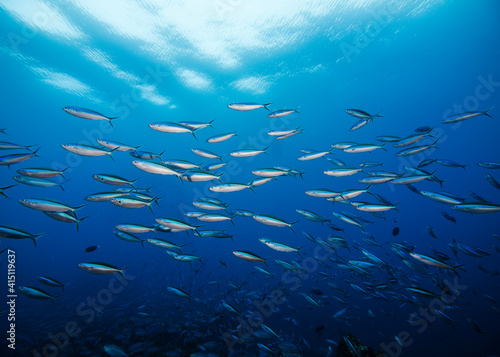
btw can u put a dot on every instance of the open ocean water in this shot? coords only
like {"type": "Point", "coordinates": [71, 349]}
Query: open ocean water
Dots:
{"type": "Point", "coordinates": [250, 178]}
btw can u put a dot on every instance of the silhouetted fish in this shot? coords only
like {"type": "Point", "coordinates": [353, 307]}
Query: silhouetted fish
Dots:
{"type": "Point", "coordinates": [91, 248]}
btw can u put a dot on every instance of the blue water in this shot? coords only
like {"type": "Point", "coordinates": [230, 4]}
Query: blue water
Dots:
{"type": "Point", "coordinates": [415, 62]}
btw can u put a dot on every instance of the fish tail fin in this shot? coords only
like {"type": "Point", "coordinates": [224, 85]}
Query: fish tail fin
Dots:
{"type": "Point", "coordinates": [378, 115]}
{"type": "Point", "coordinates": [291, 226]}
{"type": "Point", "coordinates": [78, 221]}
{"type": "Point", "coordinates": [435, 142]}
{"type": "Point", "coordinates": [298, 251]}
{"type": "Point", "coordinates": [156, 199]}
{"type": "Point", "coordinates": [192, 132]}
{"type": "Point", "coordinates": [111, 151]}
{"type": "Point", "coordinates": [210, 123]}
{"type": "Point", "coordinates": [160, 154]}
{"type": "Point", "coordinates": [110, 123]}
{"type": "Point", "coordinates": [34, 152]}
{"type": "Point", "coordinates": [62, 183]}
{"type": "Point", "coordinates": [78, 207]}
{"type": "Point", "coordinates": [132, 183]}
{"type": "Point", "coordinates": [265, 150]}
{"type": "Point", "coordinates": [267, 104]}
{"type": "Point", "coordinates": [297, 109]}
{"type": "Point", "coordinates": [265, 262]}
{"type": "Point", "coordinates": [122, 270]}
{"type": "Point", "coordinates": [3, 189]}
{"type": "Point", "coordinates": [486, 112]}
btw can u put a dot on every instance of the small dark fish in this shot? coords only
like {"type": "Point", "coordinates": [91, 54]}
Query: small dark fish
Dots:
{"type": "Point", "coordinates": [450, 163]}
{"type": "Point", "coordinates": [423, 129]}
{"type": "Point", "coordinates": [483, 269]}
{"type": "Point", "coordinates": [448, 217]}
{"type": "Point", "coordinates": [395, 231]}
{"type": "Point", "coordinates": [382, 199]}
{"type": "Point", "coordinates": [320, 329]}
{"type": "Point", "coordinates": [475, 326]}
{"type": "Point", "coordinates": [92, 248]}
{"type": "Point", "coordinates": [335, 228]}
{"type": "Point", "coordinates": [493, 181]}
{"type": "Point", "coordinates": [316, 291]}
{"type": "Point", "coordinates": [477, 197]}
{"type": "Point", "coordinates": [223, 262]}
{"type": "Point", "coordinates": [445, 318]}
{"type": "Point", "coordinates": [413, 189]}
{"type": "Point", "coordinates": [441, 256]}
{"type": "Point", "coordinates": [426, 162]}
{"type": "Point", "coordinates": [453, 247]}
{"type": "Point", "coordinates": [481, 251]}
{"type": "Point", "coordinates": [431, 232]}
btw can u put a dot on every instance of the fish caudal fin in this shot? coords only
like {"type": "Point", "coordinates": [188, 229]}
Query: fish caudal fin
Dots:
{"type": "Point", "coordinates": [78, 221]}
{"type": "Point", "coordinates": [62, 183]}
{"type": "Point", "coordinates": [291, 226]}
{"type": "Point", "coordinates": [487, 112]}
{"type": "Point", "coordinates": [78, 207]}
{"type": "Point", "coordinates": [109, 121]}
{"type": "Point", "coordinates": [122, 270]}
{"type": "Point", "coordinates": [34, 238]}
{"type": "Point", "coordinates": [265, 106]}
